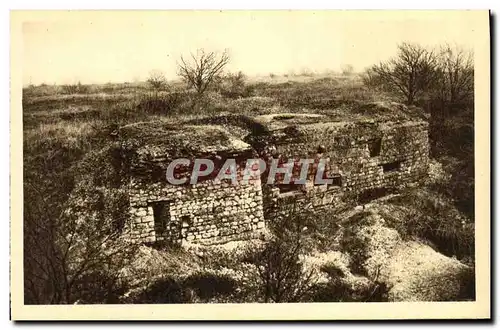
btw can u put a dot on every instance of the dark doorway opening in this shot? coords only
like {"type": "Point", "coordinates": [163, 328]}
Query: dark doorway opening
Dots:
{"type": "Point", "coordinates": [161, 213]}
{"type": "Point", "coordinates": [374, 147]}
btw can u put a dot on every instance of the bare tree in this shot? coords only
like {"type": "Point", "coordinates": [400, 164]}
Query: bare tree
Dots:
{"type": "Point", "coordinates": [203, 69]}
{"type": "Point", "coordinates": [282, 275]}
{"type": "Point", "coordinates": [409, 74]}
{"type": "Point", "coordinates": [157, 80]}
{"type": "Point", "coordinates": [456, 75]}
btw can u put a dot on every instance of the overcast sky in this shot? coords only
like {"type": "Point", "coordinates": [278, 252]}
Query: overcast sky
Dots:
{"type": "Point", "coordinates": [100, 47]}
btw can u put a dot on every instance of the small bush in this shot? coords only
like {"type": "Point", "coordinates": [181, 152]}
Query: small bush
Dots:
{"type": "Point", "coordinates": [233, 86]}
{"type": "Point", "coordinates": [282, 275]}
{"type": "Point", "coordinates": [157, 80]}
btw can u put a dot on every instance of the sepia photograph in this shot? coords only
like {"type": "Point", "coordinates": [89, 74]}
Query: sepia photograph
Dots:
{"type": "Point", "coordinates": [250, 164]}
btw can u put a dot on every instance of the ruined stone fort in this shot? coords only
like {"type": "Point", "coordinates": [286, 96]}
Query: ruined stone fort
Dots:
{"type": "Point", "coordinates": [371, 152]}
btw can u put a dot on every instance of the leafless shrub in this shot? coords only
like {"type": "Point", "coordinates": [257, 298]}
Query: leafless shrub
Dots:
{"type": "Point", "coordinates": [62, 253]}
{"type": "Point", "coordinates": [203, 69]}
{"type": "Point", "coordinates": [73, 249]}
{"type": "Point", "coordinates": [157, 80]}
{"type": "Point", "coordinates": [282, 276]}
{"type": "Point", "coordinates": [409, 74]}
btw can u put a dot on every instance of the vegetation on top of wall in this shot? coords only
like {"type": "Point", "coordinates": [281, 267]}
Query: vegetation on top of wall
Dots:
{"type": "Point", "coordinates": [178, 141]}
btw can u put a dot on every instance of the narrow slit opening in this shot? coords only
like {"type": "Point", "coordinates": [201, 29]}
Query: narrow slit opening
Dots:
{"type": "Point", "coordinates": [392, 167]}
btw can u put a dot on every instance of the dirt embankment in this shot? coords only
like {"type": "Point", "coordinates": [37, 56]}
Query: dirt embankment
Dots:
{"type": "Point", "coordinates": [409, 269]}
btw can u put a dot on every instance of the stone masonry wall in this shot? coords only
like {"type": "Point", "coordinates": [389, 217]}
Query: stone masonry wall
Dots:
{"type": "Point", "coordinates": [362, 172]}
{"type": "Point", "coordinates": [366, 160]}
{"type": "Point", "coordinates": [207, 212]}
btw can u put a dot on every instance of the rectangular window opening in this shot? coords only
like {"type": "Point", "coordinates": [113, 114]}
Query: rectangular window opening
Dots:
{"type": "Point", "coordinates": [286, 188]}
{"type": "Point", "coordinates": [161, 214]}
{"type": "Point", "coordinates": [186, 219]}
{"type": "Point", "coordinates": [392, 167]}
{"type": "Point", "coordinates": [374, 147]}
{"type": "Point", "coordinates": [336, 181]}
